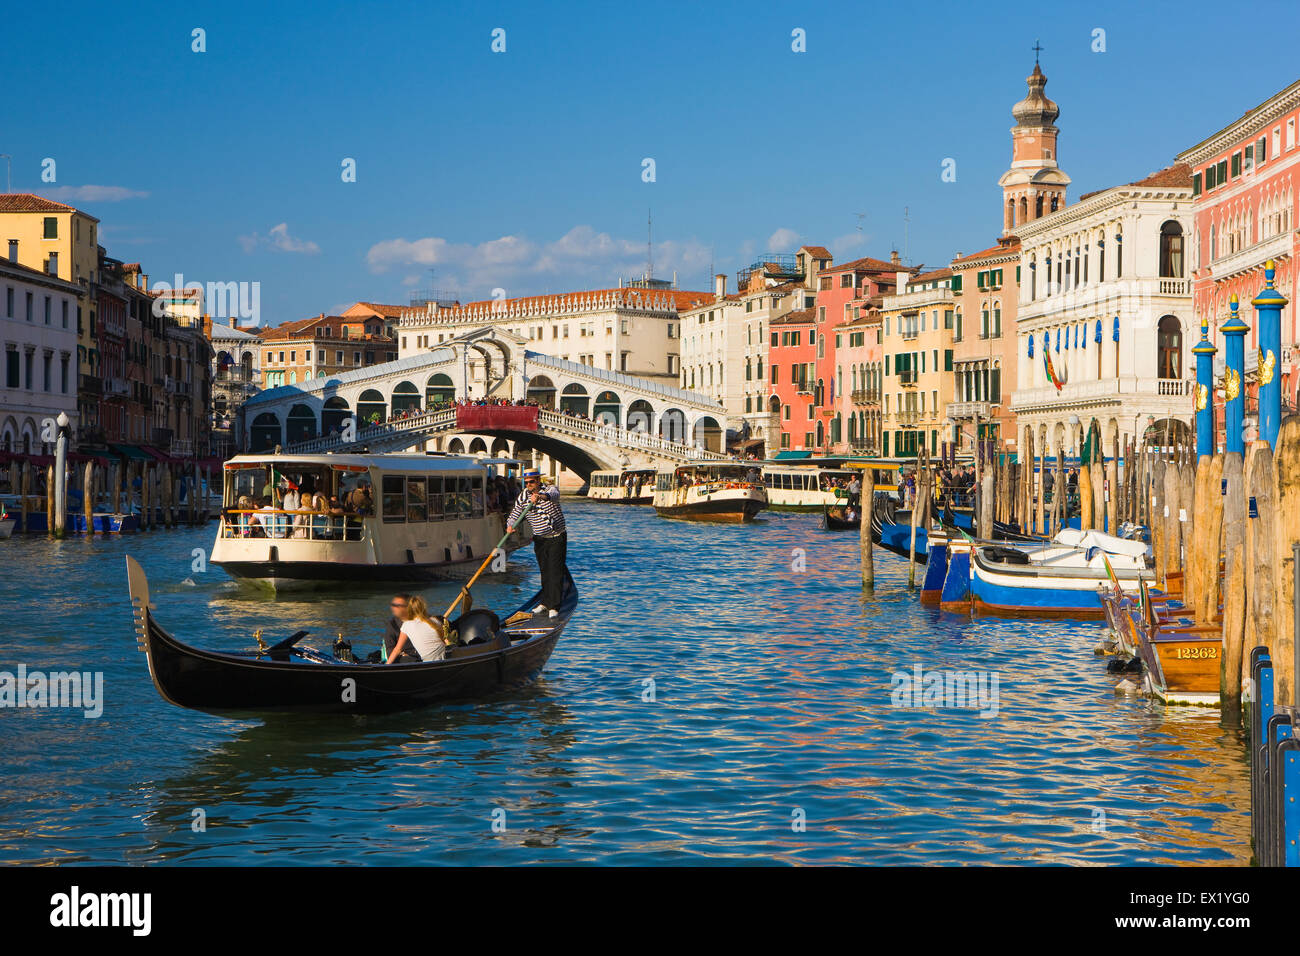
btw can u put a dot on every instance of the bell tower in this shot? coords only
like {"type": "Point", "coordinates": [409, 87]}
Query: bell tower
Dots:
{"type": "Point", "coordinates": [1034, 186]}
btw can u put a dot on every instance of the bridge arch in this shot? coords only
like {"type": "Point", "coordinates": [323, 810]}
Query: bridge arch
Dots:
{"type": "Point", "coordinates": [439, 388]}
{"type": "Point", "coordinates": [708, 433]}
{"type": "Point", "coordinates": [641, 417]}
{"type": "Point", "coordinates": [542, 391]}
{"type": "Point", "coordinates": [456, 446]}
{"type": "Point", "coordinates": [608, 407]}
{"type": "Point", "coordinates": [334, 413]}
{"type": "Point", "coordinates": [672, 425]}
{"type": "Point", "coordinates": [371, 407]}
{"type": "Point", "coordinates": [265, 432]}
{"type": "Point", "coordinates": [478, 446]}
{"type": "Point", "coordinates": [574, 398]}
{"type": "Point", "coordinates": [406, 397]}
{"type": "Point", "coordinates": [301, 424]}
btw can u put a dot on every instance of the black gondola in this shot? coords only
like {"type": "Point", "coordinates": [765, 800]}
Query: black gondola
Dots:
{"type": "Point", "coordinates": [287, 678]}
{"type": "Point", "coordinates": [834, 518]}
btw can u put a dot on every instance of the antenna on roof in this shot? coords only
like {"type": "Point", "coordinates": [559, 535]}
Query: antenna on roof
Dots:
{"type": "Point", "coordinates": [649, 244]}
{"type": "Point", "coordinates": [907, 222]}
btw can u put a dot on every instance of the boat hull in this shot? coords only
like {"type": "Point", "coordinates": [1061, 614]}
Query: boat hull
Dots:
{"type": "Point", "coordinates": [730, 511]}
{"type": "Point", "coordinates": [1026, 591]}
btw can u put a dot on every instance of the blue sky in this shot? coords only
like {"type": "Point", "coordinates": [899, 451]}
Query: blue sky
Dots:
{"type": "Point", "coordinates": [523, 170]}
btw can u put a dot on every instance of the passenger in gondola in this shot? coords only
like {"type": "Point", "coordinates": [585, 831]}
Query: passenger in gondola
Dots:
{"type": "Point", "coordinates": [426, 634]}
{"type": "Point", "coordinates": [408, 655]}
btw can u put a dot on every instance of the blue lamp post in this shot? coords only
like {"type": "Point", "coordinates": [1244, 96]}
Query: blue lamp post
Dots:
{"type": "Point", "coordinates": [1234, 349]}
{"type": "Point", "coordinates": [1203, 403]}
{"type": "Point", "coordinates": [1268, 320]}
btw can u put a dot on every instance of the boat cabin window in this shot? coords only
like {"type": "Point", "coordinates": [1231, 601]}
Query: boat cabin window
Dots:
{"type": "Point", "coordinates": [413, 498]}
{"type": "Point", "coordinates": [416, 503]}
{"type": "Point", "coordinates": [394, 494]}
{"type": "Point", "coordinates": [664, 481]}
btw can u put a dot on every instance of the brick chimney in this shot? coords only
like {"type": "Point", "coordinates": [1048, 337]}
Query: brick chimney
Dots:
{"type": "Point", "coordinates": [893, 257]}
{"type": "Point", "coordinates": [719, 287]}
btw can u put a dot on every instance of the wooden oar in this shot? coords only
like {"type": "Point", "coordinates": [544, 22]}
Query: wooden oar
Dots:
{"type": "Point", "coordinates": [483, 567]}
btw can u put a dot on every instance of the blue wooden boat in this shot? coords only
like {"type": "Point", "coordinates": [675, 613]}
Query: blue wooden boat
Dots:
{"type": "Point", "coordinates": [1060, 578]}
{"type": "Point", "coordinates": [104, 523]}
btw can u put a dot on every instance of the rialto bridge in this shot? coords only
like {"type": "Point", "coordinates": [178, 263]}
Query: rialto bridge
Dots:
{"type": "Point", "coordinates": [586, 418]}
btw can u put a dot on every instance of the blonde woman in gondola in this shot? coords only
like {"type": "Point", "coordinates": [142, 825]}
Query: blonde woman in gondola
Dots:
{"type": "Point", "coordinates": [426, 634]}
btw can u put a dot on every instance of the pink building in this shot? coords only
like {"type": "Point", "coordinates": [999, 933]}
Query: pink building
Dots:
{"type": "Point", "coordinates": [1244, 180]}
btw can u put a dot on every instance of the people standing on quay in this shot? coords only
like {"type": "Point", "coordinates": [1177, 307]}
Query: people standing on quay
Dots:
{"type": "Point", "coordinates": [550, 540]}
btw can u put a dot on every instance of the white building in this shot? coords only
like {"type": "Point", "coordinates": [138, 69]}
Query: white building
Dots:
{"type": "Point", "coordinates": [630, 330]}
{"type": "Point", "coordinates": [724, 344]}
{"type": "Point", "coordinates": [38, 332]}
{"type": "Point", "coordinates": [236, 371]}
{"type": "Point", "coordinates": [1105, 289]}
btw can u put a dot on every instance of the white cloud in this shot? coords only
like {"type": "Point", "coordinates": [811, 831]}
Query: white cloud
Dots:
{"type": "Point", "coordinates": [280, 240]}
{"type": "Point", "coordinates": [93, 193]}
{"type": "Point", "coordinates": [581, 258]}
{"type": "Point", "coordinates": [783, 240]}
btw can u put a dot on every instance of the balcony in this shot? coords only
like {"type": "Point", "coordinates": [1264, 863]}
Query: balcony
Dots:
{"type": "Point", "coordinates": [907, 377]}
{"type": "Point", "coordinates": [1251, 257]}
{"type": "Point", "coordinates": [865, 396]}
{"type": "Point", "coordinates": [1104, 392]}
{"type": "Point", "coordinates": [968, 411]}
{"type": "Point", "coordinates": [90, 384]}
{"type": "Point", "coordinates": [1172, 286]}
{"type": "Point", "coordinates": [160, 437]}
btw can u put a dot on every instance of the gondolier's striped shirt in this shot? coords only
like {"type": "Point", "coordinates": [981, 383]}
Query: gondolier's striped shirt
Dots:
{"type": "Point", "coordinates": [545, 518]}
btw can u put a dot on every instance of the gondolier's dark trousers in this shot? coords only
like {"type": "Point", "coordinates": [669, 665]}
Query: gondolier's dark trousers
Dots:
{"type": "Point", "coordinates": [551, 554]}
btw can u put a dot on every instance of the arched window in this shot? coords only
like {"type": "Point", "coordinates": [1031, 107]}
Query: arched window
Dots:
{"type": "Point", "coordinates": [1024, 208]}
{"type": "Point", "coordinates": [1171, 250]}
{"type": "Point", "coordinates": [1170, 339]}
{"type": "Point", "coordinates": [1038, 206]}
{"type": "Point", "coordinates": [1055, 199]}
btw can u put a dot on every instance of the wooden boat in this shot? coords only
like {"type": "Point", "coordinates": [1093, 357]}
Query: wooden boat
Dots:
{"type": "Point", "coordinates": [6, 527]}
{"type": "Point", "coordinates": [1180, 659]}
{"type": "Point", "coordinates": [837, 518]}
{"type": "Point", "coordinates": [710, 492]}
{"type": "Point", "coordinates": [1060, 578]}
{"type": "Point", "coordinates": [288, 677]}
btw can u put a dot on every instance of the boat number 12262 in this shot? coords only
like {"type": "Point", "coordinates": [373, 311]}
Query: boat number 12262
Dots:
{"type": "Point", "coordinates": [1195, 653]}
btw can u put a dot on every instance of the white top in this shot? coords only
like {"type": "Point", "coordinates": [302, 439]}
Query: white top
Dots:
{"type": "Point", "coordinates": [425, 640]}
{"type": "Point", "coordinates": [291, 500]}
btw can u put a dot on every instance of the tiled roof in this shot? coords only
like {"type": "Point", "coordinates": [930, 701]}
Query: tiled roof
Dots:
{"type": "Point", "coordinates": [379, 308]}
{"type": "Point", "coordinates": [999, 249]}
{"type": "Point", "coordinates": [943, 273]}
{"type": "Point", "coordinates": [818, 252]}
{"type": "Point", "coordinates": [801, 317]}
{"type": "Point", "coordinates": [1179, 174]}
{"type": "Point", "coordinates": [30, 202]}
{"type": "Point", "coordinates": [868, 264]}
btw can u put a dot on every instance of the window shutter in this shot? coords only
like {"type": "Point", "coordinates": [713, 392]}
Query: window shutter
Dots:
{"type": "Point", "coordinates": [886, 364]}
{"type": "Point", "coordinates": [947, 360]}
{"type": "Point", "coordinates": [995, 387]}
{"type": "Point", "coordinates": [1196, 185]}
{"type": "Point", "coordinates": [956, 283]}
{"type": "Point", "coordinates": [1261, 151]}
{"type": "Point", "coordinates": [1017, 275]}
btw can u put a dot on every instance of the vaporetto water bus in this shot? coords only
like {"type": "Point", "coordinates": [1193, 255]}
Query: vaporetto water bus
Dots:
{"type": "Point", "coordinates": [812, 484]}
{"type": "Point", "coordinates": [429, 514]}
{"type": "Point", "coordinates": [632, 486]}
{"type": "Point", "coordinates": [710, 492]}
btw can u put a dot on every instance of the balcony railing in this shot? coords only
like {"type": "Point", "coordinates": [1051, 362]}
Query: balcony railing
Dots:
{"type": "Point", "coordinates": [865, 396]}
{"type": "Point", "coordinates": [1173, 287]}
{"type": "Point", "coordinates": [907, 376]}
{"type": "Point", "coordinates": [963, 411]}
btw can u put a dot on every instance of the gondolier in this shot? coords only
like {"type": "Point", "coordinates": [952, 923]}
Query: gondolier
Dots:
{"type": "Point", "coordinates": [550, 540]}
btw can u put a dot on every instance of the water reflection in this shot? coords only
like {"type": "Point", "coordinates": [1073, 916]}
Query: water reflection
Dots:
{"type": "Point", "coordinates": [716, 683]}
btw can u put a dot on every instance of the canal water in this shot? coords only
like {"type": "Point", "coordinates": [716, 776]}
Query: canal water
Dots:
{"type": "Point", "coordinates": [722, 695]}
